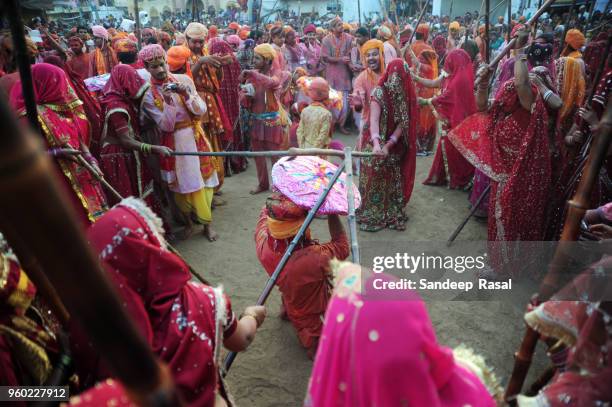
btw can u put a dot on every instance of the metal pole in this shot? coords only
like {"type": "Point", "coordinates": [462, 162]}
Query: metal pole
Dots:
{"type": "Point", "coordinates": [359, 10]}
{"type": "Point", "coordinates": [350, 198]}
{"type": "Point", "coordinates": [229, 359]}
{"type": "Point", "coordinates": [23, 61]}
{"type": "Point", "coordinates": [293, 152]}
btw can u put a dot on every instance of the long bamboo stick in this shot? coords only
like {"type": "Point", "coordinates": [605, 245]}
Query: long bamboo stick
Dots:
{"type": "Point", "coordinates": [292, 152]}
{"type": "Point", "coordinates": [229, 359]}
{"type": "Point", "coordinates": [350, 197]}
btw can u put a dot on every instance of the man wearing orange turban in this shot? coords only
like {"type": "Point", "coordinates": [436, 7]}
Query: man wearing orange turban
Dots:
{"type": "Point", "coordinates": [233, 28]}
{"type": "Point", "coordinates": [574, 40]}
{"type": "Point", "coordinates": [178, 58]}
{"type": "Point", "coordinates": [314, 130]}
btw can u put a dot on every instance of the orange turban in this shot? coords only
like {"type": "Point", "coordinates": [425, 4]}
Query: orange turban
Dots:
{"type": "Point", "coordinates": [125, 45]}
{"type": "Point", "coordinates": [424, 30]}
{"type": "Point", "coordinates": [243, 34]}
{"type": "Point", "coordinates": [575, 38]}
{"type": "Point", "coordinates": [234, 26]}
{"type": "Point", "coordinates": [318, 89]}
{"type": "Point", "coordinates": [177, 57]}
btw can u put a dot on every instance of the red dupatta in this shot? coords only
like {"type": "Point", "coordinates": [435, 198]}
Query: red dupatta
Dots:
{"type": "Point", "coordinates": [457, 99]}
{"type": "Point", "coordinates": [397, 99]}
{"type": "Point", "coordinates": [185, 322]}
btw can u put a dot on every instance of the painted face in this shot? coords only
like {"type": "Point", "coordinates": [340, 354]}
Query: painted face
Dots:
{"type": "Point", "coordinates": [290, 38]}
{"type": "Point", "coordinates": [373, 59]}
{"type": "Point", "coordinates": [157, 69]}
{"type": "Point", "coordinates": [195, 45]}
{"type": "Point", "coordinates": [76, 46]}
{"type": "Point", "coordinates": [311, 36]}
{"type": "Point", "coordinates": [259, 62]}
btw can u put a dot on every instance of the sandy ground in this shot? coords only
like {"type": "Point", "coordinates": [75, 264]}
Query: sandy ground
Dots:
{"type": "Point", "coordinates": [274, 371]}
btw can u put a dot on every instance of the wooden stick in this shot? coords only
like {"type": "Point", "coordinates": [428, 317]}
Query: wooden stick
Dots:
{"type": "Point", "coordinates": [571, 230]}
{"type": "Point", "coordinates": [423, 10]}
{"type": "Point", "coordinates": [292, 152]}
{"type": "Point", "coordinates": [45, 221]}
{"type": "Point", "coordinates": [487, 44]}
{"type": "Point", "coordinates": [138, 27]}
{"type": "Point", "coordinates": [454, 235]}
{"type": "Point", "coordinates": [229, 359]}
{"type": "Point", "coordinates": [350, 198]}
{"type": "Point", "coordinates": [13, 9]}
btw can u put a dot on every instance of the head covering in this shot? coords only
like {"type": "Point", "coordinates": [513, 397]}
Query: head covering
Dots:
{"type": "Point", "coordinates": [133, 37]}
{"type": "Point", "coordinates": [457, 101]}
{"type": "Point", "coordinates": [234, 26]}
{"type": "Point", "coordinates": [334, 21]}
{"type": "Point", "coordinates": [179, 38]}
{"type": "Point", "coordinates": [75, 38]}
{"type": "Point", "coordinates": [151, 52]}
{"type": "Point", "coordinates": [177, 57]}
{"type": "Point", "coordinates": [516, 29]}
{"type": "Point", "coordinates": [164, 36]}
{"type": "Point", "coordinates": [284, 217]}
{"type": "Point", "coordinates": [243, 34]}
{"type": "Point", "coordinates": [122, 89]}
{"type": "Point", "coordinates": [454, 26]}
{"type": "Point", "coordinates": [50, 87]}
{"type": "Point", "coordinates": [385, 33]}
{"type": "Point", "coordinates": [196, 31]}
{"type": "Point", "coordinates": [213, 31]}
{"type": "Point", "coordinates": [439, 45]}
{"type": "Point", "coordinates": [482, 29]}
{"type": "Point", "coordinates": [575, 38]}
{"type": "Point", "coordinates": [379, 348]}
{"type": "Point", "coordinates": [318, 90]}
{"type": "Point", "coordinates": [266, 51]}
{"type": "Point", "coordinates": [370, 45]}
{"type": "Point", "coordinates": [310, 28]}
{"type": "Point", "coordinates": [151, 31]}
{"type": "Point", "coordinates": [125, 45]}
{"type": "Point", "coordinates": [99, 31]}
{"type": "Point", "coordinates": [424, 30]}
{"type": "Point", "coordinates": [405, 34]}
{"type": "Point", "coordinates": [321, 30]}
{"type": "Point", "coordinates": [185, 318]}
{"type": "Point", "coordinates": [346, 26]}
{"type": "Point", "coordinates": [233, 40]}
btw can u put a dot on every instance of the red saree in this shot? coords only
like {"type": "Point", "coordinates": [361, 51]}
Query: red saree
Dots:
{"type": "Point", "coordinates": [455, 103]}
{"type": "Point", "coordinates": [509, 144]}
{"type": "Point", "coordinates": [428, 69]}
{"type": "Point", "coordinates": [185, 322]}
{"type": "Point", "coordinates": [64, 125]}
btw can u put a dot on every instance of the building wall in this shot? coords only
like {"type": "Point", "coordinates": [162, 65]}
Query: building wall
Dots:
{"type": "Point", "coordinates": [349, 7]}
{"type": "Point", "coordinates": [460, 7]}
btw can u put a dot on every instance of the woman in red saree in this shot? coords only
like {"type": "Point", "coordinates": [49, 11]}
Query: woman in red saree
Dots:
{"type": "Point", "coordinates": [455, 103]}
{"type": "Point", "coordinates": [122, 158]}
{"type": "Point", "coordinates": [387, 179]}
{"type": "Point", "coordinates": [90, 105]}
{"type": "Point", "coordinates": [510, 145]}
{"type": "Point", "coordinates": [186, 323]}
{"type": "Point", "coordinates": [228, 91]}
{"type": "Point", "coordinates": [65, 126]}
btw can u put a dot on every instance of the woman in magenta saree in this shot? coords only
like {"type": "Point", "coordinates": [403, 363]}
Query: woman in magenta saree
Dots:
{"type": "Point", "coordinates": [387, 179]}
{"type": "Point", "coordinates": [64, 126]}
{"type": "Point", "coordinates": [455, 103]}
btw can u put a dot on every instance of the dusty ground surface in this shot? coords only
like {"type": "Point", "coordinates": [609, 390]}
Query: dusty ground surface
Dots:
{"type": "Point", "coordinates": [275, 369]}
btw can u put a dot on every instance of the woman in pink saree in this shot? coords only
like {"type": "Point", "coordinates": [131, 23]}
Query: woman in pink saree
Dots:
{"type": "Point", "coordinates": [380, 349]}
{"type": "Point", "coordinates": [455, 103]}
{"type": "Point", "coordinates": [65, 127]}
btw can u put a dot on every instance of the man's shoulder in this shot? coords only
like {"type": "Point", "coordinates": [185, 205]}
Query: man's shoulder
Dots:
{"type": "Point", "coordinates": [184, 79]}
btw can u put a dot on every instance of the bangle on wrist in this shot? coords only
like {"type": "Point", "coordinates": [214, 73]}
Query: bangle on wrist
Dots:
{"type": "Point", "coordinates": [254, 317]}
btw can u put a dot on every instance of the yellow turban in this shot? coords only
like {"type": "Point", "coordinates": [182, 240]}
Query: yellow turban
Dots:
{"type": "Point", "coordinates": [575, 38]}
{"type": "Point", "coordinates": [455, 26]}
{"type": "Point", "coordinates": [196, 31]}
{"type": "Point", "coordinates": [266, 51]}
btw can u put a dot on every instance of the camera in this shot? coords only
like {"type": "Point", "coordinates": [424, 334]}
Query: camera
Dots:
{"type": "Point", "coordinates": [172, 87]}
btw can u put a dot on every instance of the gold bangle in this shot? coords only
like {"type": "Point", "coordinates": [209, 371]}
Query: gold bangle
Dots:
{"type": "Point", "coordinates": [252, 316]}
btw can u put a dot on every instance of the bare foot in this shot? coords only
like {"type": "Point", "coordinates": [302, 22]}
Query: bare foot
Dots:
{"type": "Point", "coordinates": [210, 234]}
{"type": "Point", "coordinates": [218, 193]}
{"type": "Point", "coordinates": [187, 231]}
{"type": "Point", "coordinates": [258, 190]}
{"type": "Point", "coordinates": [344, 131]}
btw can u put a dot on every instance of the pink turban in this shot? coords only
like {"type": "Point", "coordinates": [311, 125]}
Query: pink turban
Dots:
{"type": "Point", "coordinates": [151, 52]}
{"type": "Point", "coordinates": [99, 31]}
{"type": "Point", "coordinates": [310, 28]}
{"type": "Point", "coordinates": [233, 40]}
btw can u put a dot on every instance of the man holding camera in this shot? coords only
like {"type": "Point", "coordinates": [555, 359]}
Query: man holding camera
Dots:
{"type": "Point", "coordinates": [174, 106]}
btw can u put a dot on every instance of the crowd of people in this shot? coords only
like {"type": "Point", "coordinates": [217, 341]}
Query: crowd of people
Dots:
{"type": "Point", "coordinates": [132, 108]}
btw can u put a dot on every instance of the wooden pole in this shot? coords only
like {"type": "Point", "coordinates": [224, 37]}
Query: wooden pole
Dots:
{"type": "Point", "coordinates": [229, 359]}
{"type": "Point", "coordinates": [138, 28]}
{"type": "Point", "coordinates": [413, 31]}
{"type": "Point", "coordinates": [571, 230]}
{"type": "Point", "coordinates": [487, 43]}
{"type": "Point", "coordinates": [454, 235]}
{"type": "Point", "coordinates": [13, 12]}
{"type": "Point", "coordinates": [509, 30]}
{"type": "Point", "coordinates": [292, 152]}
{"type": "Point", "coordinates": [359, 10]}
{"type": "Point", "coordinates": [45, 221]}
{"type": "Point", "coordinates": [350, 199]}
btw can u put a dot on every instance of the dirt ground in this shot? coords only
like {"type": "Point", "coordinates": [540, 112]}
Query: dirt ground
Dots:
{"type": "Point", "coordinates": [274, 371]}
